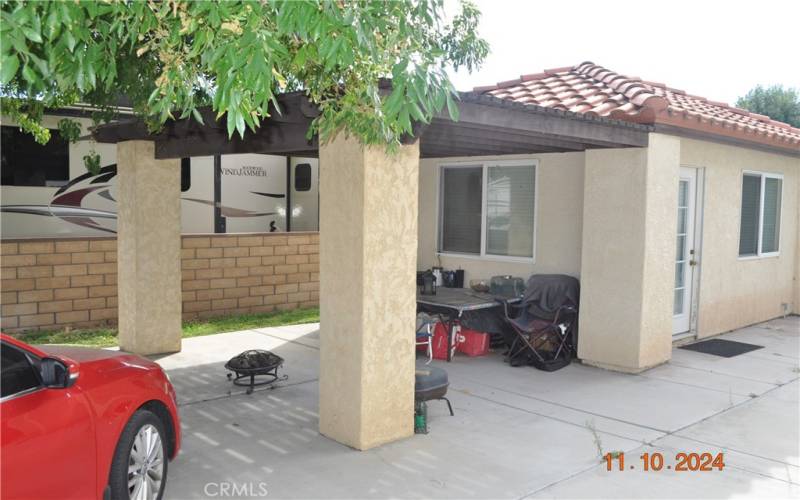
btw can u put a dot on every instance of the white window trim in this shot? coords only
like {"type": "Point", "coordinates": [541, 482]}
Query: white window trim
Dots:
{"type": "Point", "coordinates": [485, 165]}
{"type": "Point", "coordinates": [759, 254]}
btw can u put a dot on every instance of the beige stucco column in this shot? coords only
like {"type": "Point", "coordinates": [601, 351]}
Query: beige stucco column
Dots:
{"type": "Point", "coordinates": [148, 250]}
{"type": "Point", "coordinates": [628, 255]}
{"type": "Point", "coordinates": [368, 252]}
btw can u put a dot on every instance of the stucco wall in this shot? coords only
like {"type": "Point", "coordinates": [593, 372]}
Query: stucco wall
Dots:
{"type": "Point", "coordinates": [735, 292]}
{"type": "Point", "coordinates": [629, 250]}
{"type": "Point", "coordinates": [559, 215]}
{"type": "Point", "coordinates": [368, 219]}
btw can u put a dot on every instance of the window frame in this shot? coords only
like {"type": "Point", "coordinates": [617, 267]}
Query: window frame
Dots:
{"type": "Point", "coordinates": [762, 176]}
{"type": "Point", "coordinates": [30, 357]}
{"type": "Point", "coordinates": [485, 165]}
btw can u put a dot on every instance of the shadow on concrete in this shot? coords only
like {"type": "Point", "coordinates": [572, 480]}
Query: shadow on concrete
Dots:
{"type": "Point", "coordinates": [516, 432]}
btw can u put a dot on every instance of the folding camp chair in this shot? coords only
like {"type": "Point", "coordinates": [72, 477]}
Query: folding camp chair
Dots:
{"type": "Point", "coordinates": [547, 345]}
{"type": "Point", "coordinates": [543, 327]}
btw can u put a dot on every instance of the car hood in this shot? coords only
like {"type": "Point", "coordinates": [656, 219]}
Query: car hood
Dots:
{"type": "Point", "coordinates": [86, 355]}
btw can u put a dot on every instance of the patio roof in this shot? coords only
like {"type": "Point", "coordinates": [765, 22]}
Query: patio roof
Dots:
{"type": "Point", "coordinates": [487, 126]}
{"type": "Point", "coordinates": [590, 89]}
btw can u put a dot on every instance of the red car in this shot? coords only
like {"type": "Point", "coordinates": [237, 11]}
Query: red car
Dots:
{"type": "Point", "coordinates": [83, 423]}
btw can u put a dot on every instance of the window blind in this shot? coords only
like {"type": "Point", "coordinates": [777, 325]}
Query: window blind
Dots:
{"type": "Point", "coordinates": [509, 210]}
{"type": "Point", "coordinates": [751, 203]}
{"type": "Point", "coordinates": [772, 215]}
{"type": "Point", "coordinates": [462, 193]}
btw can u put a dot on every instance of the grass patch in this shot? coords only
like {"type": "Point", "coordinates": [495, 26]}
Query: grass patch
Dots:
{"type": "Point", "coordinates": [95, 337]}
{"type": "Point", "coordinates": [248, 321]}
{"type": "Point", "coordinates": [107, 337]}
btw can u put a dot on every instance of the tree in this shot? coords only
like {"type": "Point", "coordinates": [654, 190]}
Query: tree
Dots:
{"type": "Point", "coordinates": [782, 104]}
{"type": "Point", "coordinates": [171, 57]}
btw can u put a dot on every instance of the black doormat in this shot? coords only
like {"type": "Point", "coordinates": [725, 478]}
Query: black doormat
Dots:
{"type": "Point", "coordinates": [724, 348]}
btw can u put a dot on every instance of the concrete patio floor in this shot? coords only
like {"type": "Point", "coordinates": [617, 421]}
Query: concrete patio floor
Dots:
{"type": "Point", "coordinates": [517, 432]}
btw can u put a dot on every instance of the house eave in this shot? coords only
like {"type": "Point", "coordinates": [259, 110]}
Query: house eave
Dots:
{"type": "Point", "coordinates": [789, 150]}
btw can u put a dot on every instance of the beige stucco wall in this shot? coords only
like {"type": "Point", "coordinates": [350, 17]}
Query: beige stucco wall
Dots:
{"type": "Point", "coordinates": [735, 292]}
{"type": "Point", "coordinates": [663, 157]}
{"type": "Point", "coordinates": [620, 206]}
{"type": "Point", "coordinates": [368, 224]}
{"type": "Point", "coordinates": [630, 197]}
{"type": "Point", "coordinates": [559, 214]}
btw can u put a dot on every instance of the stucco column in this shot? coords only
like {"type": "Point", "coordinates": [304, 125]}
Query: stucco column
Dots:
{"type": "Point", "coordinates": [368, 253]}
{"type": "Point", "coordinates": [148, 250]}
{"type": "Point", "coordinates": [628, 255]}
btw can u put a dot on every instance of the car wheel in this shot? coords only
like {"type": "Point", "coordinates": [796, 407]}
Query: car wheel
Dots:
{"type": "Point", "coordinates": [139, 468]}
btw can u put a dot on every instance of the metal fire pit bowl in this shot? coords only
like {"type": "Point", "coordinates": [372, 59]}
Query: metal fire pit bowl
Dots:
{"type": "Point", "coordinates": [256, 367]}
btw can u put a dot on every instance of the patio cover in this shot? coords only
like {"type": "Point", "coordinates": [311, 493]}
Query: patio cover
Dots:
{"type": "Point", "coordinates": [367, 267]}
{"type": "Point", "coordinates": [487, 125]}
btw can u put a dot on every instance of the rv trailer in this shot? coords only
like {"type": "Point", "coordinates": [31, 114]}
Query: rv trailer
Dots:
{"type": "Point", "coordinates": [47, 192]}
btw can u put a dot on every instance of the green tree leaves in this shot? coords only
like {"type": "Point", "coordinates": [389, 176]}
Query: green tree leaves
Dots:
{"type": "Point", "coordinates": [171, 57]}
{"type": "Point", "coordinates": [782, 104]}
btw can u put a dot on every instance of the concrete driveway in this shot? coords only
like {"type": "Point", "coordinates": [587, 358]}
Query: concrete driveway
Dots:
{"type": "Point", "coordinates": [517, 432]}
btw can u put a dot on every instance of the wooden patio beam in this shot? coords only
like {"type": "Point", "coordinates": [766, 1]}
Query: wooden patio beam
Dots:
{"type": "Point", "coordinates": [496, 113]}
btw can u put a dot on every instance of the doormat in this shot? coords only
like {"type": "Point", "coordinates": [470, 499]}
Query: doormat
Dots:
{"type": "Point", "coordinates": [724, 348]}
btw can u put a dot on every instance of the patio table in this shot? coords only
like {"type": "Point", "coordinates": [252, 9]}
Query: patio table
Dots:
{"type": "Point", "coordinates": [455, 302]}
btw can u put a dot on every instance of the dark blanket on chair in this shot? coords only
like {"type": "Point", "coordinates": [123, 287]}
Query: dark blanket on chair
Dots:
{"type": "Point", "coordinates": [545, 293]}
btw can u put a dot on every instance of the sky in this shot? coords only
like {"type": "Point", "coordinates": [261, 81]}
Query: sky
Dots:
{"type": "Point", "coordinates": [712, 48]}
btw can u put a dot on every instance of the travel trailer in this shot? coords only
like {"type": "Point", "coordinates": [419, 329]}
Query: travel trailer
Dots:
{"type": "Point", "coordinates": [48, 192]}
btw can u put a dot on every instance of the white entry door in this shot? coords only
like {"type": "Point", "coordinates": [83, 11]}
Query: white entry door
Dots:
{"type": "Point", "coordinates": [685, 255]}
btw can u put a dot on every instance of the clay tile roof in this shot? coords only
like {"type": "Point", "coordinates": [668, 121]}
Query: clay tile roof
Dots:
{"type": "Point", "coordinates": [591, 89]}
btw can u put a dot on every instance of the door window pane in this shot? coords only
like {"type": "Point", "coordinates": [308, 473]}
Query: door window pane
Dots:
{"type": "Point", "coordinates": [751, 203]}
{"type": "Point", "coordinates": [683, 213]}
{"type": "Point", "coordinates": [772, 215]}
{"type": "Point", "coordinates": [680, 274]}
{"type": "Point", "coordinates": [680, 251]}
{"type": "Point", "coordinates": [677, 306]}
{"type": "Point", "coordinates": [683, 193]}
{"type": "Point", "coordinates": [509, 210]}
{"type": "Point", "coordinates": [17, 373]}
{"type": "Point", "coordinates": [462, 192]}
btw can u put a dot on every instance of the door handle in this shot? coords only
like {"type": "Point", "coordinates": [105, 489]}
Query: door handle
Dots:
{"type": "Point", "coordinates": [692, 262]}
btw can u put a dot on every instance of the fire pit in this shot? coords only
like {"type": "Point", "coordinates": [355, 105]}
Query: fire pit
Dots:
{"type": "Point", "coordinates": [255, 363]}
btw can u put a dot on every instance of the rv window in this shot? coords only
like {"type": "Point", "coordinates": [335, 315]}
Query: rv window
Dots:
{"type": "Point", "coordinates": [25, 162]}
{"type": "Point", "coordinates": [186, 174]}
{"type": "Point", "coordinates": [302, 177]}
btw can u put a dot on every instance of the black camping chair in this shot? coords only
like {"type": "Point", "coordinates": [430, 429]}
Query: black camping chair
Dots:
{"type": "Point", "coordinates": [544, 324]}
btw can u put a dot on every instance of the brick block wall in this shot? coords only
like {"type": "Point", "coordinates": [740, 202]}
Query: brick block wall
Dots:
{"type": "Point", "coordinates": [54, 283]}
{"type": "Point", "coordinates": [252, 273]}
{"type": "Point", "coordinates": [58, 283]}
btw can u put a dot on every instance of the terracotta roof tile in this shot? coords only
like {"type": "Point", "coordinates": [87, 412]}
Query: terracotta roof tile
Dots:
{"type": "Point", "coordinates": [591, 89]}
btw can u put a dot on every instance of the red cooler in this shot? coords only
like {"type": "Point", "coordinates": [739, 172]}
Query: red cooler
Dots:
{"type": "Point", "coordinates": [471, 342]}
{"type": "Point", "coordinates": [440, 341]}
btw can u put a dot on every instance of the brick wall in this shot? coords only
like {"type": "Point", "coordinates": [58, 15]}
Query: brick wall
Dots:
{"type": "Point", "coordinates": [48, 284]}
{"type": "Point", "coordinates": [239, 274]}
